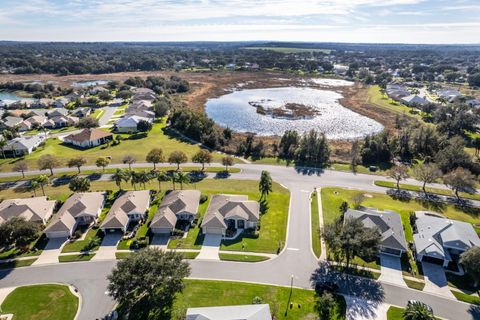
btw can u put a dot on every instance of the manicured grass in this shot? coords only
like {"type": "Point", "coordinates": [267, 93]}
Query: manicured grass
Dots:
{"type": "Point", "coordinates": [97, 113]}
{"type": "Point", "coordinates": [17, 263]}
{"type": "Point", "coordinates": [357, 272]}
{"type": "Point", "coordinates": [35, 248]}
{"type": "Point", "coordinates": [241, 257]}
{"type": "Point", "coordinates": [360, 169]}
{"type": "Point", "coordinates": [315, 225]}
{"type": "Point", "coordinates": [377, 98]}
{"type": "Point", "coordinates": [200, 293]}
{"type": "Point", "coordinates": [333, 197]}
{"type": "Point", "coordinates": [80, 245]}
{"type": "Point", "coordinates": [466, 297]}
{"type": "Point", "coordinates": [135, 145]}
{"type": "Point", "coordinates": [409, 187]}
{"type": "Point", "coordinates": [48, 301]}
{"type": "Point", "coordinates": [123, 255]}
{"type": "Point", "coordinates": [417, 285]}
{"type": "Point", "coordinates": [186, 255]}
{"type": "Point", "coordinates": [189, 255]}
{"type": "Point", "coordinates": [395, 313]}
{"type": "Point", "coordinates": [75, 257]}
{"type": "Point", "coordinates": [273, 223]}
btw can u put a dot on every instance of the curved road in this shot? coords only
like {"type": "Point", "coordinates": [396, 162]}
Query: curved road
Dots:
{"type": "Point", "coordinates": [296, 259]}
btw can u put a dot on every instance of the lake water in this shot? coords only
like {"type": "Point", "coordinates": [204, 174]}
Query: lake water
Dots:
{"type": "Point", "coordinates": [85, 84]}
{"type": "Point", "coordinates": [10, 97]}
{"type": "Point", "coordinates": [337, 122]}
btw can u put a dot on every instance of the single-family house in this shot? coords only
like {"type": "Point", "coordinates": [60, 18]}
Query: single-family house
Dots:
{"type": "Point", "coordinates": [97, 89]}
{"type": "Point", "coordinates": [440, 240]}
{"type": "Point", "coordinates": [140, 113]}
{"type": "Point", "coordinates": [57, 112]}
{"type": "Point", "coordinates": [21, 146]}
{"type": "Point", "coordinates": [24, 126]}
{"type": "Point", "coordinates": [38, 209]}
{"type": "Point", "coordinates": [414, 101]}
{"type": "Point", "coordinates": [177, 205]}
{"type": "Point", "coordinates": [389, 225]}
{"type": "Point", "coordinates": [396, 91]}
{"type": "Point", "coordinates": [37, 112]}
{"type": "Point", "coordinates": [129, 207]}
{"type": "Point", "coordinates": [11, 122]}
{"type": "Point", "coordinates": [79, 209]}
{"type": "Point", "coordinates": [60, 122]}
{"type": "Point", "coordinates": [230, 212]}
{"type": "Point", "coordinates": [129, 124]}
{"type": "Point", "coordinates": [81, 112]}
{"type": "Point", "coordinates": [60, 103]}
{"type": "Point", "coordinates": [88, 138]}
{"type": "Point", "coordinates": [240, 312]}
{"type": "Point", "coordinates": [449, 94]}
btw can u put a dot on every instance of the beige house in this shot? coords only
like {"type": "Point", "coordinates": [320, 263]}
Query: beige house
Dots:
{"type": "Point", "coordinates": [79, 209]}
{"type": "Point", "coordinates": [37, 209]}
{"type": "Point", "coordinates": [88, 138]}
{"type": "Point", "coordinates": [129, 207]}
{"type": "Point", "coordinates": [177, 205]}
{"type": "Point", "coordinates": [230, 211]}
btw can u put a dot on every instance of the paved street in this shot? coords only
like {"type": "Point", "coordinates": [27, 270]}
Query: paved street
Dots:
{"type": "Point", "coordinates": [296, 260]}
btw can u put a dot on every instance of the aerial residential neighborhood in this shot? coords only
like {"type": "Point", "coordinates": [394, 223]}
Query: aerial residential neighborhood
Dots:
{"type": "Point", "coordinates": [239, 160]}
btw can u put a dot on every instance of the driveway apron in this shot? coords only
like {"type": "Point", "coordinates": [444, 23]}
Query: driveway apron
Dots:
{"type": "Point", "coordinates": [391, 270]}
{"type": "Point", "coordinates": [51, 252]}
{"type": "Point", "coordinates": [210, 247]}
{"type": "Point", "coordinates": [108, 247]}
{"type": "Point", "coordinates": [435, 280]}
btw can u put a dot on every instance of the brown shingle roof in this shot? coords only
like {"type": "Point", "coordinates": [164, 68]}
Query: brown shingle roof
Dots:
{"type": "Point", "coordinates": [91, 134]}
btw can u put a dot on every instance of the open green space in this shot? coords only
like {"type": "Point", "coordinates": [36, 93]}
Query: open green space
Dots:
{"type": "Point", "coordinates": [137, 145]}
{"type": "Point", "coordinates": [315, 225]}
{"type": "Point", "coordinates": [47, 301]}
{"type": "Point", "coordinates": [75, 257]}
{"type": "Point", "coordinates": [241, 257]}
{"type": "Point", "coordinates": [199, 293]}
{"type": "Point", "coordinates": [333, 197]}
{"type": "Point", "coordinates": [409, 187]}
{"type": "Point", "coordinates": [273, 222]}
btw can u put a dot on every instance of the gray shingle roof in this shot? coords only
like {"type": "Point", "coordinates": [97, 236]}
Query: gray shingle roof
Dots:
{"type": "Point", "coordinates": [32, 209]}
{"type": "Point", "coordinates": [388, 223]}
{"type": "Point", "coordinates": [176, 202]}
{"type": "Point", "coordinates": [130, 201]}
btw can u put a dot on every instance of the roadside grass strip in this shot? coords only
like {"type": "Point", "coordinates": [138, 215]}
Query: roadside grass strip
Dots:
{"type": "Point", "coordinates": [241, 257]}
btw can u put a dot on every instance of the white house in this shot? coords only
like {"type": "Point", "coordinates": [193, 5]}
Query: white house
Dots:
{"type": "Point", "coordinates": [128, 124]}
{"type": "Point", "coordinates": [23, 145]}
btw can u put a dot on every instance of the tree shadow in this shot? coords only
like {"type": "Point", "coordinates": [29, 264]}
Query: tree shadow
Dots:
{"type": "Point", "coordinates": [474, 310]}
{"type": "Point", "coordinates": [264, 206]}
{"type": "Point", "coordinates": [94, 176]}
{"type": "Point", "coordinates": [222, 175]}
{"type": "Point", "coordinates": [299, 168]}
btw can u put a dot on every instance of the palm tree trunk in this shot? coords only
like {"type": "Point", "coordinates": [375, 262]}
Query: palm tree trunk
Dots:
{"type": "Point", "coordinates": [78, 169]}
{"type": "Point", "coordinates": [159, 186]}
{"type": "Point", "coordinates": [43, 190]}
{"type": "Point", "coordinates": [23, 174]}
{"type": "Point", "coordinates": [423, 188]}
{"type": "Point", "coordinates": [178, 166]}
{"type": "Point", "coordinates": [34, 192]}
{"type": "Point", "coordinates": [398, 185]}
{"type": "Point", "coordinates": [51, 171]}
{"type": "Point", "coordinates": [154, 166]}
{"type": "Point", "coordinates": [203, 166]}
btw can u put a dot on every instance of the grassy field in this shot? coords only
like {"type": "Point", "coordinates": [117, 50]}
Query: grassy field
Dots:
{"type": "Point", "coordinates": [48, 301]}
{"type": "Point", "coordinates": [333, 197]}
{"type": "Point", "coordinates": [199, 293]}
{"type": "Point", "coordinates": [393, 185]}
{"type": "Point", "coordinates": [241, 257]}
{"type": "Point", "coordinates": [75, 257]}
{"type": "Point", "coordinates": [135, 145]}
{"type": "Point", "coordinates": [273, 222]}
{"type": "Point", "coordinates": [315, 225]}
{"type": "Point", "coordinates": [395, 313]}
{"type": "Point", "coordinates": [377, 98]}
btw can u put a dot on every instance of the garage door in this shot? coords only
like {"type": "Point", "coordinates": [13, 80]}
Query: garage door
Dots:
{"type": "Point", "coordinates": [432, 260]}
{"type": "Point", "coordinates": [161, 230]}
{"type": "Point", "coordinates": [57, 234]}
{"type": "Point", "coordinates": [214, 231]}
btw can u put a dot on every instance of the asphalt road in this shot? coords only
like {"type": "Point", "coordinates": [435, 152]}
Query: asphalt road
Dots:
{"type": "Point", "coordinates": [295, 260]}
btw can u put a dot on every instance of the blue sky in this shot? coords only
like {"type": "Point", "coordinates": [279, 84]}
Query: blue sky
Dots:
{"type": "Point", "coordinates": [387, 21]}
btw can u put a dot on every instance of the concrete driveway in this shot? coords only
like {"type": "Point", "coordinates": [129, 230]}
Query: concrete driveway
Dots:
{"type": "Point", "coordinates": [391, 270]}
{"type": "Point", "coordinates": [359, 309]}
{"type": "Point", "coordinates": [109, 246]}
{"type": "Point", "coordinates": [435, 280]}
{"type": "Point", "coordinates": [160, 241]}
{"type": "Point", "coordinates": [210, 247]}
{"type": "Point", "coordinates": [51, 252]}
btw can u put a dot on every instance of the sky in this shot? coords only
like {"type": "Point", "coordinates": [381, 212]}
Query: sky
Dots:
{"type": "Point", "coordinates": [366, 21]}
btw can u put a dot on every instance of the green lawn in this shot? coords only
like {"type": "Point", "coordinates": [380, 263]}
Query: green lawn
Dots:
{"type": "Point", "coordinates": [97, 113]}
{"type": "Point", "coordinates": [466, 297]}
{"type": "Point", "coordinates": [75, 257]}
{"type": "Point", "coordinates": [80, 245]}
{"type": "Point", "coordinates": [241, 257]}
{"type": "Point", "coordinates": [315, 225]}
{"type": "Point", "coordinates": [35, 248]}
{"type": "Point", "coordinates": [360, 169]}
{"type": "Point", "coordinates": [395, 313]}
{"type": "Point", "coordinates": [200, 293]}
{"type": "Point", "coordinates": [48, 301]}
{"type": "Point", "coordinates": [123, 255]}
{"type": "Point", "coordinates": [273, 223]}
{"type": "Point", "coordinates": [333, 197]}
{"type": "Point", "coordinates": [17, 263]}
{"type": "Point", "coordinates": [186, 255]}
{"type": "Point", "coordinates": [135, 145]}
{"type": "Point", "coordinates": [377, 98]}
{"type": "Point", "coordinates": [409, 187]}
{"type": "Point", "coordinates": [417, 285]}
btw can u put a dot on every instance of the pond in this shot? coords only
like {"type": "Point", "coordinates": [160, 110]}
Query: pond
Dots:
{"type": "Point", "coordinates": [268, 111]}
{"type": "Point", "coordinates": [10, 97]}
{"type": "Point", "coordinates": [90, 83]}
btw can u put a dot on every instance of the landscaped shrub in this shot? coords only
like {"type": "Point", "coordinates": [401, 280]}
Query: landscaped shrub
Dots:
{"type": "Point", "coordinates": [203, 198]}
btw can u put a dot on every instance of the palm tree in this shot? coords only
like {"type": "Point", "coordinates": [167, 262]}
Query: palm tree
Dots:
{"type": "Point", "coordinates": [42, 180]}
{"type": "Point", "coordinates": [417, 311]}
{"type": "Point", "coordinates": [174, 178]}
{"type": "Point", "coordinates": [265, 184]}
{"type": "Point", "coordinates": [134, 179]}
{"type": "Point", "coordinates": [3, 143]}
{"type": "Point", "coordinates": [182, 178]}
{"type": "Point", "coordinates": [34, 186]}
{"type": "Point", "coordinates": [118, 177]}
{"type": "Point", "coordinates": [143, 177]}
{"type": "Point", "coordinates": [161, 177]}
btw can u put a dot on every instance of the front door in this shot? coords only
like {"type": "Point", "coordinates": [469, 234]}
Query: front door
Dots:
{"type": "Point", "coordinates": [241, 224]}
